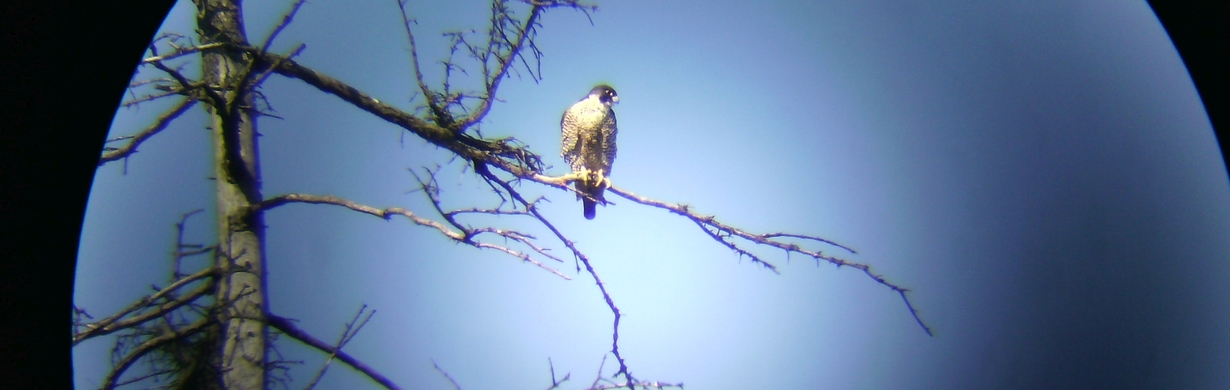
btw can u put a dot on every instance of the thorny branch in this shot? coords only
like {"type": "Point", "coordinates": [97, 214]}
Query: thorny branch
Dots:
{"type": "Point", "coordinates": [723, 234]}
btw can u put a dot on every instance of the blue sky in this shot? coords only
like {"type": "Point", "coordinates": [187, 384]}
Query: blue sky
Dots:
{"type": "Point", "coordinates": [1042, 175]}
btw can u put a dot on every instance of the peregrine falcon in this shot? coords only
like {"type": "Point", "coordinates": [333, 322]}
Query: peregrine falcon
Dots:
{"type": "Point", "coordinates": [588, 143]}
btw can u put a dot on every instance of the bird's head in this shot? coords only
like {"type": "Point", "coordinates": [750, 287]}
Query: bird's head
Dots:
{"type": "Point", "coordinates": [605, 94]}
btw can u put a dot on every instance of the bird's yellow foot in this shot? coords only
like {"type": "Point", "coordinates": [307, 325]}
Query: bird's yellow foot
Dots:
{"type": "Point", "coordinates": [580, 176]}
{"type": "Point", "coordinates": [603, 181]}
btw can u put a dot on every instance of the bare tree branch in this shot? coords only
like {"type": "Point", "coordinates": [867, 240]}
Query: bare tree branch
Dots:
{"type": "Point", "coordinates": [150, 345]}
{"type": "Point", "coordinates": [501, 153]}
{"type": "Point", "coordinates": [722, 232]}
{"type": "Point", "coordinates": [112, 324]}
{"type": "Point", "coordinates": [136, 140]}
{"type": "Point", "coordinates": [179, 52]}
{"type": "Point", "coordinates": [492, 81]}
{"type": "Point", "coordinates": [532, 209]}
{"type": "Point", "coordinates": [555, 383]}
{"type": "Point", "coordinates": [464, 237]}
{"type": "Point", "coordinates": [166, 91]}
{"type": "Point", "coordinates": [177, 84]}
{"type": "Point", "coordinates": [432, 189]}
{"type": "Point", "coordinates": [446, 375]}
{"type": "Point", "coordinates": [284, 325]}
{"type": "Point", "coordinates": [507, 41]}
{"type": "Point", "coordinates": [520, 163]}
{"type": "Point", "coordinates": [185, 84]}
{"type": "Point", "coordinates": [154, 374]}
{"type": "Point", "coordinates": [183, 250]}
{"type": "Point", "coordinates": [286, 19]}
{"type": "Point", "coordinates": [598, 378]}
{"type": "Point", "coordinates": [635, 384]}
{"type": "Point", "coordinates": [433, 100]}
{"type": "Point", "coordinates": [352, 328]}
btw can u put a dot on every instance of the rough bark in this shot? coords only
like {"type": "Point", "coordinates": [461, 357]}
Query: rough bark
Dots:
{"type": "Point", "coordinates": [241, 292]}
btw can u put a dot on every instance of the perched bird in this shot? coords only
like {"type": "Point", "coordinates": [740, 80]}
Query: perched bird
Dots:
{"type": "Point", "coordinates": [588, 143]}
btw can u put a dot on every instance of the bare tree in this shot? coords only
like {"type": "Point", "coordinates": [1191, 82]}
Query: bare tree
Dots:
{"type": "Point", "coordinates": [211, 328]}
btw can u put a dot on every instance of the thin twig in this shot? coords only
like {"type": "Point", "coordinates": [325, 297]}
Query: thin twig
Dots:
{"type": "Point", "coordinates": [180, 246]}
{"type": "Point", "coordinates": [166, 92]}
{"type": "Point", "coordinates": [556, 383]}
{"type": "Point", "coordinates": [387, 213]}
{"type": "Point", "coordinates": [286, 19]}
{"type": "Point", "coordinates": [446, 375]}
{"type": "Point", "coordinates": [215, 99]}
{"type": "Point", "coordinates": [635, 384]}
{"type": "Point", "coordinates": [352, 328]}
{"type": "Point", "coordinates": [181, 52]}
{"type": "Point", "coordinates": [284, 325]}
{"type": "Point", "coordinates": [442, 116]}
{"type": "Point", "coordinates": [506, 61]}
{"type": "Point", "coordinates": [598, 377]}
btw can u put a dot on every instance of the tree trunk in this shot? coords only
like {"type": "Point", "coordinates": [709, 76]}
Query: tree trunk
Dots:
{"type": "Point", "coordinates": [241, 292]}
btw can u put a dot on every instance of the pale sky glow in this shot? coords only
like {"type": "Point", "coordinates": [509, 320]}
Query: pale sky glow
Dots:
{"type": "Point", "coordinates": [1041, 175]}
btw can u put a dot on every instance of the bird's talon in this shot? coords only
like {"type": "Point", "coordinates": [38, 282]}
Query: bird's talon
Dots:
{"type": "Point", "coordinates": [602, 181]}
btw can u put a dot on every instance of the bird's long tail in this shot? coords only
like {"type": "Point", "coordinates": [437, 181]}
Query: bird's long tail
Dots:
{"type": "Point", "coordinates": [590, 202]}
{"type": "Point", "coordinates": [591, 208]}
